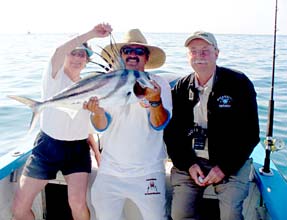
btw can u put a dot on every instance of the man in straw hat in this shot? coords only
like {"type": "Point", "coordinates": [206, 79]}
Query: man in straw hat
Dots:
{"type": "Point", "coordinates": [212, 133]}
{"type": "Point", "coordinates": [133, 156]}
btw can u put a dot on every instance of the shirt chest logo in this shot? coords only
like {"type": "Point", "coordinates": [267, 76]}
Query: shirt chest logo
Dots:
{"type": "Point", "coordinates": [224, 101]}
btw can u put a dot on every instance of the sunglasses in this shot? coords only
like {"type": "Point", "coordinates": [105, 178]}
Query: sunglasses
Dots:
{"type": "Point", "coordinates": [139, 51]}
{"type": "Point", "coordinates": [79, 53]}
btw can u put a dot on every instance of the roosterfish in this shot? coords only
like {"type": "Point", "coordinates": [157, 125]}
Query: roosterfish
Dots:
{"type": "Point", "coordinates": [119, 87]}
{"type": "Point", "coordinates": [114, 88]}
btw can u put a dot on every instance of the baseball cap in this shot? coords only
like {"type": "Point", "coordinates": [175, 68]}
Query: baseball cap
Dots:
{"type": "Point", "coordinates": [88, 50]}
{"type": "Point", "coordinates": [207, 36]}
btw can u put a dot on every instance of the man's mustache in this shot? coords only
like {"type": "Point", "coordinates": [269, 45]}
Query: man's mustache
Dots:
{"type": "Point", "coordinates": [132, 58]}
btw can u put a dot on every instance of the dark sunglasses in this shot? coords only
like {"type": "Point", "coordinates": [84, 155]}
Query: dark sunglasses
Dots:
{"type": "Point", "coordinates": [139, 51]}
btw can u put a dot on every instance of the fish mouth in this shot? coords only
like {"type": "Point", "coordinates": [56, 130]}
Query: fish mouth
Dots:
{"type": "Point", "coordinates": [139, 89]}
{"type": "Point", "coordinates": [141, 84]}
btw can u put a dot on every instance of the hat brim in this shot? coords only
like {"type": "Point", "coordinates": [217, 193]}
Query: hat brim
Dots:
{"type": "Point", "coordinates": [88, 51]}
{"type": "Point", "coordinates": [197, 37]}
{"type": "Point", "coordinates": [156, 57]}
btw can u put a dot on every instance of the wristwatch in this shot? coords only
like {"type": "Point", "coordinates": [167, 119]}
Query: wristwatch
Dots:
{"type": "Point", "coordinates": [155, 103]}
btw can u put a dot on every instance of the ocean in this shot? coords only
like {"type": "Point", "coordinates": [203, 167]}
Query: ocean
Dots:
{"type": "Point", "coordinates": [24, 56]}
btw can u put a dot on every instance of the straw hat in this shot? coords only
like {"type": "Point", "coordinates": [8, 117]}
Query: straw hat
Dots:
{"type": "Point", "coordinates": [135, 37]}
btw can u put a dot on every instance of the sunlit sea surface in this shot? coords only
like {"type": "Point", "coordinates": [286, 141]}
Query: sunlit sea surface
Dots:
{"type": "Point", "coordinates": [24, 56]}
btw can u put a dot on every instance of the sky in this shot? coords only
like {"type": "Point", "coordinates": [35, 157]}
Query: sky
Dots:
{"type": "Point", "coordinates": [76, 16]}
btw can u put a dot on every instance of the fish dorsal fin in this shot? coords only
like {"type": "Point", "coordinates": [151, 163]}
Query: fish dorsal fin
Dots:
{"type": "Point", "coordinates": [113, 58]}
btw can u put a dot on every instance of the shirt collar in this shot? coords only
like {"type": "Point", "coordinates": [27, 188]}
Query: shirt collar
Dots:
{"type": "Point", "coordinates": [206, 86]}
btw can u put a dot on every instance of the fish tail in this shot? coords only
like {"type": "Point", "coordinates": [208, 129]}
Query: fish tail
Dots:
{"type": "Point", "coordinates": [33, 104]}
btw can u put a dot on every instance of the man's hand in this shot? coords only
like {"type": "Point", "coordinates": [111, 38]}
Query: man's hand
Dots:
{"type": "Point", "coordinates": [99, 119]}
{"type": "Point", "coordinates": [215, 175]}
{"type": "Point", "coordinates": [153, 94]}
{"type": "Point", "coordinates": [197, 174]}
{"type": "Point", "coordinates": [93, 106]}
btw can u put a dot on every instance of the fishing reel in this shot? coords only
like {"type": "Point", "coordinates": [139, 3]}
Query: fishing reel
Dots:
{"type": "Point", "coordinates": [275, 144]}
{"type": "Point", "coordinates": [272, 144]}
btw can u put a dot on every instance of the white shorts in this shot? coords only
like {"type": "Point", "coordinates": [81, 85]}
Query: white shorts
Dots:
{"type": "Point", "coordinates": [109, 194]}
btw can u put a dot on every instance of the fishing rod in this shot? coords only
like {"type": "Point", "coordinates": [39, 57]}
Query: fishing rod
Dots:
{"type": "Point", "coordinates": [269, 141]}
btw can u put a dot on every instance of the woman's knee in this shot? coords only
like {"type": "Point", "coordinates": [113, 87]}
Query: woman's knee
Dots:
{"type": "Point", "coordinates": [77, 203]}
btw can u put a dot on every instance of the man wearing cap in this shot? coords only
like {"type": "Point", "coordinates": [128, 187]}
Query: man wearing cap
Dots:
{"type": "Point", "coordinates": [63, 142]}
{"type": "Point", "coordinates": [132, 165]}
{"type": "Point", "coordinates": [212, 132]}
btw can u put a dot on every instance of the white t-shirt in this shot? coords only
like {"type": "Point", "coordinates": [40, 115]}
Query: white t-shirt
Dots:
{"type": "Point", "coordinates": [56, 122]}
{"type": "Point", "coordinates": [131, 147]}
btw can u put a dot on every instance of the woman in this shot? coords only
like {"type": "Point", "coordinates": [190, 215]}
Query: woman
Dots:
{"type": "Point", "coordinates": [63, 142]}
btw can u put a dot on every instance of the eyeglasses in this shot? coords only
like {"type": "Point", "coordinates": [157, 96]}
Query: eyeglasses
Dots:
{"type": "Point", "coordinates": [139, 51]}
{"type": "Point", "coordinates": [79, 53]}
{"type": "Point", "coordinates": [204, 52]}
